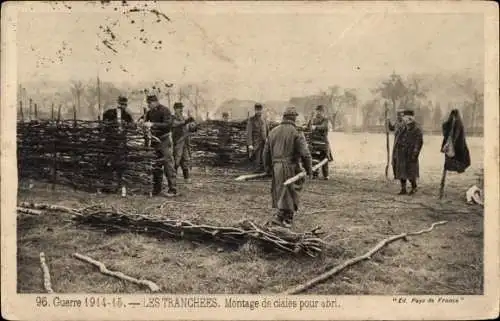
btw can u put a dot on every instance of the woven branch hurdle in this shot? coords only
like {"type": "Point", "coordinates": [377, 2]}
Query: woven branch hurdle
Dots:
{"type": "Point", "coordinates": [89, 155]}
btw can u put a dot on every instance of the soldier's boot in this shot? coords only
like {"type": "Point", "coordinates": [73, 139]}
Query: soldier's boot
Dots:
{"type": "Point", "coordinates": [403, 187]}
{"type": "Point", "coordinates": [287, 219]}
{"type": "Point", "coordinates": [324, 169]}
{"type": "Point", "coordinates": [185, 173]}
{"type": "Point", "coordinates": [413, 187]}
{"type": "Point", "coordinates": [277, 219]}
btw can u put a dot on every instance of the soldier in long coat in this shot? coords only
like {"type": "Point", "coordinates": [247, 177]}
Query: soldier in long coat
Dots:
{"type": "Point", "coordinates": [284, 151]}
{"type": "Point", "coordinates": [257, 131]}
{"type": "Point", "coordinates": [319, 140]}
{"type": "Point", "coordinates": [182, 127]}
{"type": "Point", "coordinates": [407, 146]}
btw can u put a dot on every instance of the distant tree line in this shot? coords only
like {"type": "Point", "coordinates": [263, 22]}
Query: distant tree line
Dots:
{"type": "Point", "coordinates": [87, 100]}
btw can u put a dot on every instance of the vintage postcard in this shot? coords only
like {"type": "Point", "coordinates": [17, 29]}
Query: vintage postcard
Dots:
{"type": "Point", "coordinates": [176, 160]}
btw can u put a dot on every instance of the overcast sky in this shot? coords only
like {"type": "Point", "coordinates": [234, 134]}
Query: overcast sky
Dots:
{"type": "Point", "coordinates": [256, 53]}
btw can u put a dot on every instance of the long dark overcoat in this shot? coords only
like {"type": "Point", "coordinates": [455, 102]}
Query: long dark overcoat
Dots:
{"type": "Point", "coordinates": [408, 142]}
{"type": "Point", "coordinates": [284, 151]}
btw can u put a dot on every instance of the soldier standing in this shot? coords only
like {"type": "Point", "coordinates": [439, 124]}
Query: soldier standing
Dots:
{"type": "Point", "coordinates": [181, 129]}
{"type": "Point", "coordinates": [408, 143]}
{"type": "Point", "coordinates": [116, 138]}
{"type": "Point", "coordinates": [398, 124]}
{"type": "Point", "coordinates": [159, 119]}
{"type": "Point", "coordinates": [319, 139]}
{"type": "Point", "coordinates": [257, 131]}
{"type": "Point", "coordinates": [224, 137]}
{"type": "Point", "coordinates": [284, 150]}
{"type": "Point", "coordinates": [119, 113]}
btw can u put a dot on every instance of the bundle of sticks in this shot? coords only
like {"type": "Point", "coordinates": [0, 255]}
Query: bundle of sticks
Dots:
{"type": "Point", "coordinates": [270, 238]}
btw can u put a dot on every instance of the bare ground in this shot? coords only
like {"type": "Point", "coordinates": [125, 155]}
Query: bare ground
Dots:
{"type": "Point", "coordinates": [355, 212]}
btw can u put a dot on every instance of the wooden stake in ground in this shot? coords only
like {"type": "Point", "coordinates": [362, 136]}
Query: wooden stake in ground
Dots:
{"type": "Point", "coordinates": [387, 140]}
{"type": "Point", "coordinates": [366, 256]}
{"type": "Point", "coordinates": [21, 110]}
{"type": "Point", "coordinates": [303, 174]}
{"type": "Point", "coordinates": [46, 274]}
{"type": "Point", "coordinates": [443, 180]}
{"type": "Point", "coordinates": [102, 268]}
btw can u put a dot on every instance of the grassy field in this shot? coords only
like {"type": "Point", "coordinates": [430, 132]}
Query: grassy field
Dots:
{"type": "Point", "coordinates": [356, 208]}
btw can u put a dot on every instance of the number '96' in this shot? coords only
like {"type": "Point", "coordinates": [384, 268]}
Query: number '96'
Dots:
{"type": "Point", "coordinates": [41, 301]}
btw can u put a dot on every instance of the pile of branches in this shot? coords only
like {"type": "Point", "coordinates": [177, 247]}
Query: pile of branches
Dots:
{"type": "Point", "coordinates": [269, 238]}
{"type": "Point", "coordinates": [90, 155]}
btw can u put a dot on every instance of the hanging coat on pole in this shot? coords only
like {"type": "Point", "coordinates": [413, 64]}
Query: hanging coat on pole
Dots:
{"type": "Point", "coordinates": [454, 146]}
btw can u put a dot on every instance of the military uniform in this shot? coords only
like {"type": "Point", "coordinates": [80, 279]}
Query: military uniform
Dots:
{"type": "Point", "coordinates": [116, 162]}
{"type": "Point", "coordinates": [224, 137]}
{"type": "Point", "coordinates": [257, 131]}
{"type": "Point", "coordinates": [161, 119]}
{"type": "Point", "coordinates": [408, 142]}
{"type": "Point", "coordinates": [319, 141]}
{"type": "Point", "coordinates": [284, 151]}
{"type": "Point", "coordinates": [181, 128]}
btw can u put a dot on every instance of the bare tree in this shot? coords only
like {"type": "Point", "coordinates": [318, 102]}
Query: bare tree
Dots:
{"type": "Point", "coordinates": [392, 89]}
{"type": "Point", "coordinates": [77, 89]}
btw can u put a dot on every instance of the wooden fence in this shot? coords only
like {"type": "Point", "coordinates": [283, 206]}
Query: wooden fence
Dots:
{"type": "Point", "coordinates": [89, 156]}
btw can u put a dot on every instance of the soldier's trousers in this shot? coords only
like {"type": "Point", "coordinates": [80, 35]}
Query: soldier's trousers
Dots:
{"type": "Point", "coordinates": [324, 169]}
{"type": "Point", "coordinates": [114, 168]}
{"type": "Point", "coordinates": [164, 165]}
{"type": "Point", "coordinates": [257, 160]}
{"type": "Point", "coordinates": [182, 159]}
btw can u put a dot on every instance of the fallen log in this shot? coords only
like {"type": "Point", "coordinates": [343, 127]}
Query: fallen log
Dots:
{"type": "Point", "coordinates": [303, 174]}
{"type": "Point", "coordinates": [366, 256]}
{"type": "Point", "coordinates": [46, 274]}
{"type": "Point", "coordinates": [102, 268]}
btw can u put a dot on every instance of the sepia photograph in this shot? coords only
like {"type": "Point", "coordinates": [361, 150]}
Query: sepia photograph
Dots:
{"type": "Point", "coordinates": [240, 155]}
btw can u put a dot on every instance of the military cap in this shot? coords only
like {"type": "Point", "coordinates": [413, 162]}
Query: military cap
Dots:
{"type": "Point", "coordinates": [290, 111]}
{"type": "Point", "coordinates": [258, 106]}
{"type": "Point", "coordinates": [178, 105]}
{"type": "Point", "coordinates": [151, 98]}
{"type": "Point", "coordinates": [320, 108]}
{"type": "Point", "coordinates": [225, 114]}
{"type": "Point", "coordinates": [122, 100]}
{"type": "Point", "coordinates": [408, 112]}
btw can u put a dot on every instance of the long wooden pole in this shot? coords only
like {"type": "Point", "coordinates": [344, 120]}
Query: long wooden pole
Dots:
{"type": "Point", "coordinates": [59, 113]}
{"type": "Point", "coordinates": [302, 174]}
{"type": "Point", "coordinates": [21, 110]}
{"type": "Point", "coordinates": [443, 180]}
{"type": "Point", "coordinates": [386, 107]}
{"type": "Point", "coordinates": [443, 176]}
{"type": "Point", "coordinates": [98, 98]}
{"type": "Point", "coordinates": [52, 112]}
{"type": "Point", "coordinates": [31, 109]}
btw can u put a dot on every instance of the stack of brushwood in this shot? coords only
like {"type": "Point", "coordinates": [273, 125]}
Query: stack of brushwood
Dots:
{"type": "Point", "coordinates": [91, 155]}
{"type": "Point", "coordinates": [269, 238]}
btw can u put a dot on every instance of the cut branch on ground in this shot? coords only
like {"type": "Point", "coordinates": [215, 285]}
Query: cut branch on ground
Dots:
{"type": "Point", "coordinates": [104, 270]}
{"type": "Point", "coordinates": [366, 256]}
